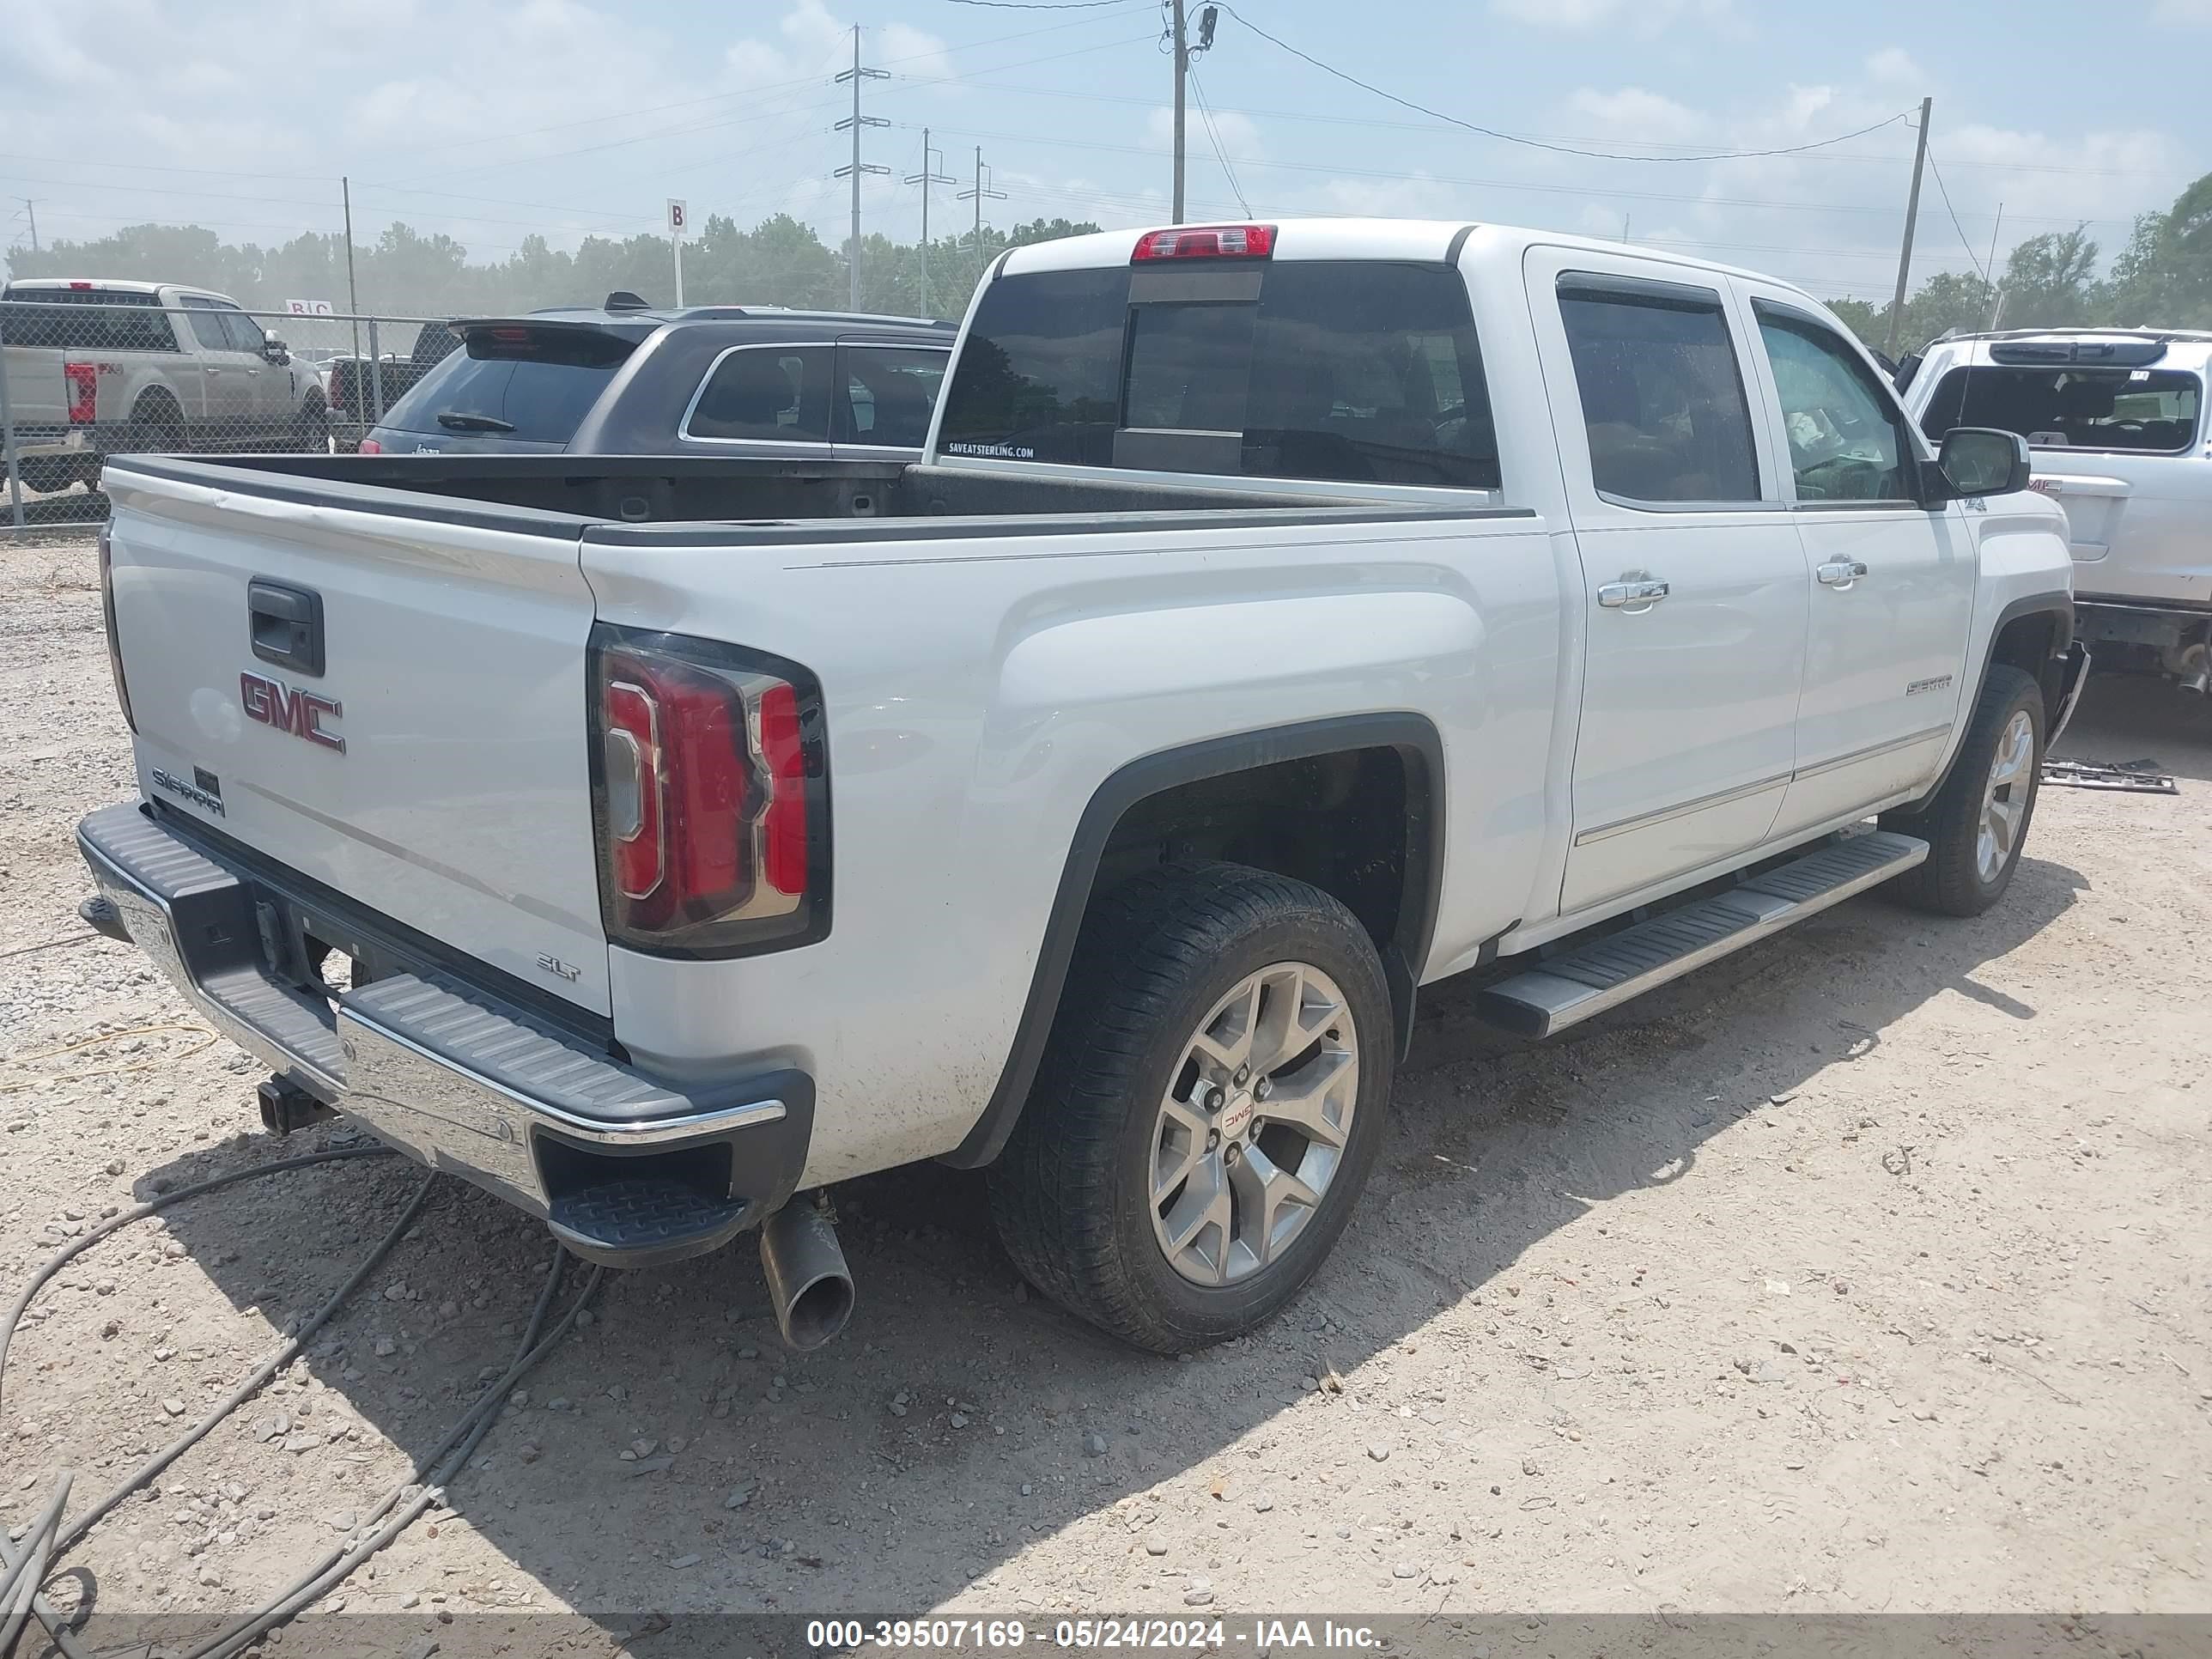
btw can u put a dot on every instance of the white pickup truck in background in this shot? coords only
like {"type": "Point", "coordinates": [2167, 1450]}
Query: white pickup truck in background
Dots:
{"type": "Point", "coordinates": [154, 366]}
{"type": "Point", "coordinates": [1284, 616]}
{"type": "Point", "coordinates": [2115, 419]}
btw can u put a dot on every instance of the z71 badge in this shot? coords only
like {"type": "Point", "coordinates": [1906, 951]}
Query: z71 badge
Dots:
{"type": "Point", "coordinates": [300, 713]}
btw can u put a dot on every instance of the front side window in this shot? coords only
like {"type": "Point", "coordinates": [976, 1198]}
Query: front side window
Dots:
{"type": "Point", "coordinates": [1847, 443]}
{"type": "Point", "coordinates": [1662, 401]}
{"type": "Point", "coordinates": [207, 325]}
{"type": "Point", "coordinates": [888, 392]}
{"type": "Point", "coordinates": [245, 333]}
{"type": "Point", "coordinates": [766, 394]}
{"type": "Point", "coordinates": [2145, 410]}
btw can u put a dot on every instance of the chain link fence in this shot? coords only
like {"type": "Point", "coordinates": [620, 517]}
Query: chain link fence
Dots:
{"type": "Point", "coordinates": [88, 371]}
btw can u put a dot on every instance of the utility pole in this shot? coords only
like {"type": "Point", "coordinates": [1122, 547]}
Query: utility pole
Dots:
{"type": "Point", "coordinates": [856, 121]}
{"type": "Point", "coordinates": [353, 294]}
{"type": "Point", "coordinates": [979, 195]}
{"type": "Point", "coordinates": [932, 160]}
{"type": "Point", "coordinates": [31, 208]}
{"type": "Point", "coordinates": [1989, 270]}
{"type": "Point", "coordinates": [1182, 75]}
{"type": "Point", "coordinates": [1911, 219]}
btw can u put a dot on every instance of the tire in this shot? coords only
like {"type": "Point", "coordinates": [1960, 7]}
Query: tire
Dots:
{"type": "Point", "coordinates": [1962, 875]}
{"type": "Point", "coordinates": [311, 432]}
{"type": "Point", "coordinates": [48, 475]}
{"type": "Point", "coordinates": [157, 427]}
{"type": "Point", "coordinates": [1122, 1090]}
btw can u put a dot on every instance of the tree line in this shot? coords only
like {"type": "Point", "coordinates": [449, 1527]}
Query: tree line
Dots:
{"type": "Point", "coordinates": [404, 273]}
{"type": "Point", "coordinates": [2162, 279]}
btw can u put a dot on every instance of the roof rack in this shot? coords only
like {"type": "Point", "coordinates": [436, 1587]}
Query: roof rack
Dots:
{"type": "Point", "coordinates": [2139, 332]}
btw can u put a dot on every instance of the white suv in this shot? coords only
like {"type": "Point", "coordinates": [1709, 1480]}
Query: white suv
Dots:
{"type": "Point", "coordinates": [2114, 418]}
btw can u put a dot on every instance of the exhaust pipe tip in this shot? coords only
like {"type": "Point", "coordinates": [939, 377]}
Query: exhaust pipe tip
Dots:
{"type": "Point", "coordinates": [809, 1284]}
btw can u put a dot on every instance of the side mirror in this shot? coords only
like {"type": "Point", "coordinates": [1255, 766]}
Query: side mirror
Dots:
{"type": "Point", "coordinates": [274, 349]}
{"type": "Point", "coordinates": [1980, 461]}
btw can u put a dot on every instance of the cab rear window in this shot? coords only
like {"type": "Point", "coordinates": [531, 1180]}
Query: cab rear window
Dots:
{"type": "Point", "coordinates": [85, 319]}
{"type": "Point", "coordinates": [1350, 370]}
{"type": "Point", "coordinates": [2144, 410]}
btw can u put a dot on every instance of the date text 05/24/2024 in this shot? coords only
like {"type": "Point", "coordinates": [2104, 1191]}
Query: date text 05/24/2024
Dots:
{"type": "Point", "coordinates": [1147, 1634]}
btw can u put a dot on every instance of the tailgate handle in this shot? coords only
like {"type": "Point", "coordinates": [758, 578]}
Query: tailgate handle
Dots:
{"type": "Point", "coordinates": [287, 624]}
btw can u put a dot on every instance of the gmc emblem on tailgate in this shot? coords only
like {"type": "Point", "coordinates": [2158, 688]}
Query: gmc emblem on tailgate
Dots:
{"type": "Point", "coordinates": [300, 713]}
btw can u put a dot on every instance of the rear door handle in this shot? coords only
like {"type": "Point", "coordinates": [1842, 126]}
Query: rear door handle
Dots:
{"type": "Point", "coordinates": [1632, 595]}
{"type": "Point", "coordinates": [1841, 573]}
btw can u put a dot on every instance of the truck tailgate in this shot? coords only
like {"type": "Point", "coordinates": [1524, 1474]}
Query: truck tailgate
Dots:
{"type": "Point", "coordinates": [433, 766]}
{"type": "Point", "coordinates": [37, 395]}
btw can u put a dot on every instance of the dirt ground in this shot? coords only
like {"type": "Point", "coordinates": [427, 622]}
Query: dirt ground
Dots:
{"type": "Point", "coordinates": [1869, 1270]}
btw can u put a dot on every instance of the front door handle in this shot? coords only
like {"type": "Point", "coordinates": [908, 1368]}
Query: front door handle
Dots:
{"type": "Point", "coordinates": [1841, 573]}
{"type": "Point", "coordinates": [1632, 596]}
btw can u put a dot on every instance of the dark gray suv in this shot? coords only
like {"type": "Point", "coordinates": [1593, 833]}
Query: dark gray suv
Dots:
{"type": "Point", "coordinates": [625, 378]}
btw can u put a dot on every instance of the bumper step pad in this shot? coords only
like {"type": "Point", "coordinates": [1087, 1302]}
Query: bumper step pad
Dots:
{"type": "Point", "coordinates": [640, 1220]}
{"type": "Point", "coordinates": [1607, 972]}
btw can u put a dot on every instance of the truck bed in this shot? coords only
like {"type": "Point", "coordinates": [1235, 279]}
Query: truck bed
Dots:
{"type": "Point", "coordinates": [561, 494]}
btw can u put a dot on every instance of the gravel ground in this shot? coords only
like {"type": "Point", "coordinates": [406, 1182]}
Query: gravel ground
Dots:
{"type": "Point", "coordinates": [1867, 1270]}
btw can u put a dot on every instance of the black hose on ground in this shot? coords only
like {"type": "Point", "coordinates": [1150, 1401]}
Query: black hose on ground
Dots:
{"type": "Point", "coordinates": [25, 1563]}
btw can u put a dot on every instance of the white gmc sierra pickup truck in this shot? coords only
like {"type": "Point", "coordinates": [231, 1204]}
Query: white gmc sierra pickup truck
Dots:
{"type": "Point", "coordinates": [1282, 617]}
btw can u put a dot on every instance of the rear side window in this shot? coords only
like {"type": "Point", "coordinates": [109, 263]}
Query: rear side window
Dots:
{"type": "Point", "coordinates": [1369, 372]}
{"type": "Point", "coordinates": [1662, 399]}
{"type": "Point", "coordinates": [1039, 378]}
{"type": "Point", "coordinates": [86, 320]}
{"type": "Point", "coordinates": [1338, 370]}
{"type": "Point", "coordinates": [764, 394]}
{"type": "Point", "coordinates": [534, 386]}
{"type": "Point", "coordinates": [2146, 411]}
{"type": "Point", "coordinates": [889, 392]}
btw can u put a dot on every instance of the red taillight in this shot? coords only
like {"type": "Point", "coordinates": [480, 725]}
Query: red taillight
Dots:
{"type": "Point", "coordinates": [83, 392]}
{"type": "Point", "coordinates": [633, 756]}
{"type": "Point", "coordinates": [1206, 242]}
{"type": "Point", "coordinates": [369, 446]}
{"type": "Point", "coordinates": [783, 757]}
{"type": "Point", "coordinates": [710, 796]}
{"type": "Point", "coordinates": [82, 288]}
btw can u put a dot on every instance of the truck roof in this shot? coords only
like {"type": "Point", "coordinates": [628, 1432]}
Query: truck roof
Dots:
{"type": "Point", "coordinates": [113, 285]}
{"type": "Point", "coordinates": [1425, 240]}
{"type": "Point", "coordinates": [654, 316]}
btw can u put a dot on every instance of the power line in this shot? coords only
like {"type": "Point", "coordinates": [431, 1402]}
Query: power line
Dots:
{"type": "Point", "coordinates": [1220, 154]}
{"type": "Point", "coordinates": [1583, 191]}
{"type": "Point", "coordinates": [799, 82]}
{"type": "Point", "coordinates": [1037, 5]}
{"type": "Point", "coordinates": [1538, 143]}
{"type": "Point", "coordinates": [1945, 193]}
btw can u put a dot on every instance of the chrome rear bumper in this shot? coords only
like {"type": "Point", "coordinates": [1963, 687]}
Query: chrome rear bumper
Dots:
{"type": "Point", "coordinates": [626, 1169]}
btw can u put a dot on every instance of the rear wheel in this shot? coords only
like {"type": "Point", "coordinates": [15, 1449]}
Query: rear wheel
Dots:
{"type": "Point", "coordinates": [157, 427]}
{"type": "Point", "coordinates": [1208, 1108]}
{"type": "Point", "coordinates": [1977, 823]}
{"type": "Point", "coordinates": [311, 430]}
{"type": "Point", "coordinates": [47, 474]}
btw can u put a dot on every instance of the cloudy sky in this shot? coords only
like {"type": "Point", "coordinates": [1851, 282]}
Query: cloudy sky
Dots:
{"type": "Point", "coordinates": [489, 119]}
